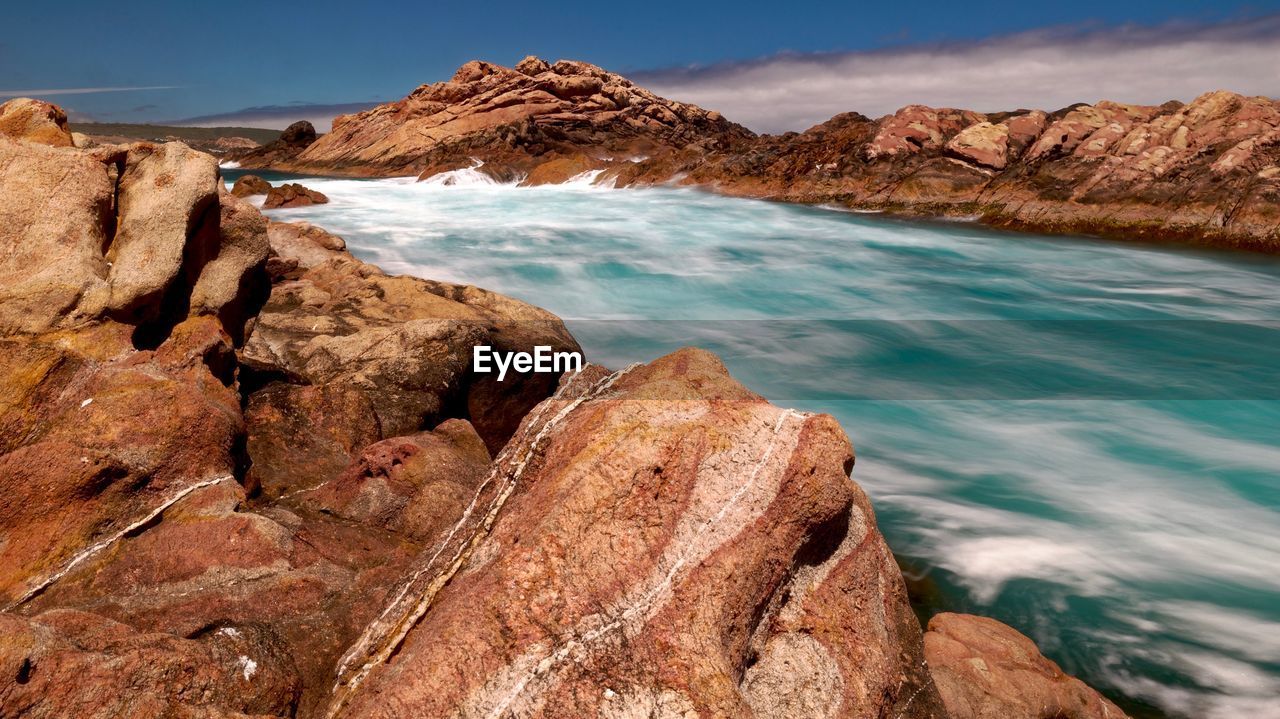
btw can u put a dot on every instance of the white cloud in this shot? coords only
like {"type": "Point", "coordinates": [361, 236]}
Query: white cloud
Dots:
{"type": "Point", "coordinates": [1046, 69]}
{"type": "Point", "coordinates": [81, 90]}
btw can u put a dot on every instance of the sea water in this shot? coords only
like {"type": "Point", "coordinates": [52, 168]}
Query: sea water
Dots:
{"type": "Point", "coordinates": [1076, 436]}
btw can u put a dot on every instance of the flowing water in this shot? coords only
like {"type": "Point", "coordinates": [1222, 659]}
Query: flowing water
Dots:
{"type": "Point", "coordinates": [1078, 437]}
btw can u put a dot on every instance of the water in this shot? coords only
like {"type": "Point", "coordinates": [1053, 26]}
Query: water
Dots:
{"type": "Point", "coordinates": [1081, 438]}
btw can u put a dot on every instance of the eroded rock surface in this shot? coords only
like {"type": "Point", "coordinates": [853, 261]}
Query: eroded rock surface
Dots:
{"type": "Point", "coordinates": [513, 120]}
{"type": "Point", "coordinates": [654, 540]}
{"type": "Point", "coordinates": [987, 670]}
{"type": "Point", "coordinates": [250, 185]}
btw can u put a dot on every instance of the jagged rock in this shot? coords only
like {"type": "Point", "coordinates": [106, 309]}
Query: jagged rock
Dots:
{"type": "Point", "coordinates": [25, 119]}
{"type": "Point", "coordinates": [644, 536]}
{"type": "Point", "coordinates": [250, 185]}
{"type": "Point", "coordinates": [987, 670]}
{"type": "Point", "coordinates": [511, 119]}
{"type": "Point", "coordinates": [295, 138]}
{"type": "Point", "coordinates": [915, 128]}
{"type": "Point", "coordinates": [984, 144]}
{"type": "Point", "coordinates": [404, 341]}
{"type": "Point", "coordinates": [141, 234]}
{"type": "Point", "coordinates": [302, 436]}
{"type": "Point", "coordinates": [291, 194]}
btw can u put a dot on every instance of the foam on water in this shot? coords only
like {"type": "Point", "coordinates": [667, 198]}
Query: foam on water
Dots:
{"type": "Point", "coordinates": [1136, 540]}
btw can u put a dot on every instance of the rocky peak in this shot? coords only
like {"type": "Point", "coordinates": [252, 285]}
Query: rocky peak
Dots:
{"type": "Point", "coordinates": [512, 119]}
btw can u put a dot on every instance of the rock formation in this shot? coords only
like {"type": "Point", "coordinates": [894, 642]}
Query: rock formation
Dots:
{"type": "Point", "coordinates": [295, 138]}
{"type": "Point", "coordinates": [513, 119]}
{"type": "Point", "coordinates": [246, 474]}
{"type": "Point", "coordinates": [250, 185]}
{"type": "Point", "coordinates": [291, 194]}
{"type": "Point", "coordinates": [986, 670]}
{"type": "Point", "coordinates": [1206, 172]}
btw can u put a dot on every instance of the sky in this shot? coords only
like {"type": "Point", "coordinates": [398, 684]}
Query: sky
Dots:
{"type": "Point", "coordinates": [771, 67]}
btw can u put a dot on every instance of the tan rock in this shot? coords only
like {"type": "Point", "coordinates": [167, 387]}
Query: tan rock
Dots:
{"type": "Point", "coordinates": [987, 670]}
{"type": "Point", "coordinates": [25, 119]}
{"type": "Point", "coordinates": [983, 144]}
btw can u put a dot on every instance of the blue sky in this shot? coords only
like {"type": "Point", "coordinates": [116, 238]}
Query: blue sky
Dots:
{"type": "Point", "coordinates": [225, 56]}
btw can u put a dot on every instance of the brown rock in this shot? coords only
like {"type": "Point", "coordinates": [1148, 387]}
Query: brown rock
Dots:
{"type": "Point", "coordinates": [295, 138]}
{"type": "Point", "coordinates": [300, 437]}
{"type": "Point", "coordinates": [404, 341]}
{"type": "Point", "coordinates": [292, 194]}
{"type": "Point", "coordinates": [644, 537]}
{"type": "Point", "coordinates": [249, 185]}
{"type": "Point", "coordinates": [417, 485]}
{"type": "Point", "coordinates": [42, 122]}
{"type": "Point", "coordinates": [75, 664]}
{"type": "Point", "coordinates": [561, 169]}
{"type": "Point", "coordinates": [987, 670]}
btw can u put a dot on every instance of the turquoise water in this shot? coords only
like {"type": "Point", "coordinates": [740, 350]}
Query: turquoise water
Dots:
{"type": "Point", "coordinates": [1081, 438]}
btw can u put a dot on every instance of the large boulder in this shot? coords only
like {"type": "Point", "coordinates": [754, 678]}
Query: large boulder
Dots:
{"type": "Point", "coordinates": [25, 119]}
{"type": "Point", "coordinates": [405, 342]}
{"type": "Point", "coordinates": [987, 670]}
{"type": "Point", "coordinates": [653, 542]}
{"type": "Point", "coordinates": [141, 234]}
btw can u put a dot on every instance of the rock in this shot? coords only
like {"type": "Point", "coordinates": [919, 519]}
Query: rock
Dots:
{"type": "Point", "coordinates": [987, 670]}
{"type": "Point", "coordinates": [37, 294]}
{"type": "Point", "coordinates": [302, 436]}
{"type": "Point", "coordinates": [644, 536]}
{"type": "Point", "coordinates": [292, 194]}
{"type": "Point", "coordinates": [71, 663]}
{"type": "Point", "coordinates": [404, 341]}
{"type": "Point", "coordinates": [983, 144]}
{"type": "Point", "coordinates": [559, 170]}
{"type": "Point", "coordinates": [532, 66]}
{"type": "Point", "coordinates": [510, 119]}
{"type": "Point", "coordinates": [915, 128]}
{"type": "Point", "coordinates": [250, 185]}
{"type": "Point", "coordinates": [417, 485]}
{"type": "Point", "coordinates": [35, 121]}
{"type": "Point", "coordinates": [295, 138]}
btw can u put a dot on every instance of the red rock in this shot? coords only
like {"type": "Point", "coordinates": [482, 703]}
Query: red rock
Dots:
{"type": "Point", "coordinates": [915, 128]}
{"type": "Point", "coordinates": [644, 536]}
{"type": "Point", "coordinates": [987, 670]}
{"type": "Point", "coordinates": [291, 194]}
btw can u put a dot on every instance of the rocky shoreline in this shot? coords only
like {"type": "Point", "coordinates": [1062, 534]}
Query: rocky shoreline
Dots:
{"type": "Point", "coordinates": [1207, 172]}
{"type": "Point", "coordinates": [246, 474]}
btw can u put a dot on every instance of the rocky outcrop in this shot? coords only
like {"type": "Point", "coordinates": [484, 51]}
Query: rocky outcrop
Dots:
{"type": "Point", "coordinates": [1203, 172]}
{"type": "Point", "coordinates": [291, 194]}
{"type": "Point", "coordinates": [512, 120]}
{"type": "Point", "coordinates": [295, 138]}
{"type": "Point", "coordinates": [250, 185]}
{"type": "Point", "coordinates": [986, 670]}
{"type": "Point", "coordinates": [26, 119]}
{"type": "Point", "coordinates": [656, 541]}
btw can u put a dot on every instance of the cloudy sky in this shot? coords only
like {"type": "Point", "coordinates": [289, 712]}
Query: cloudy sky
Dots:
{"type": "Point", "coordinates": [780, 68]}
